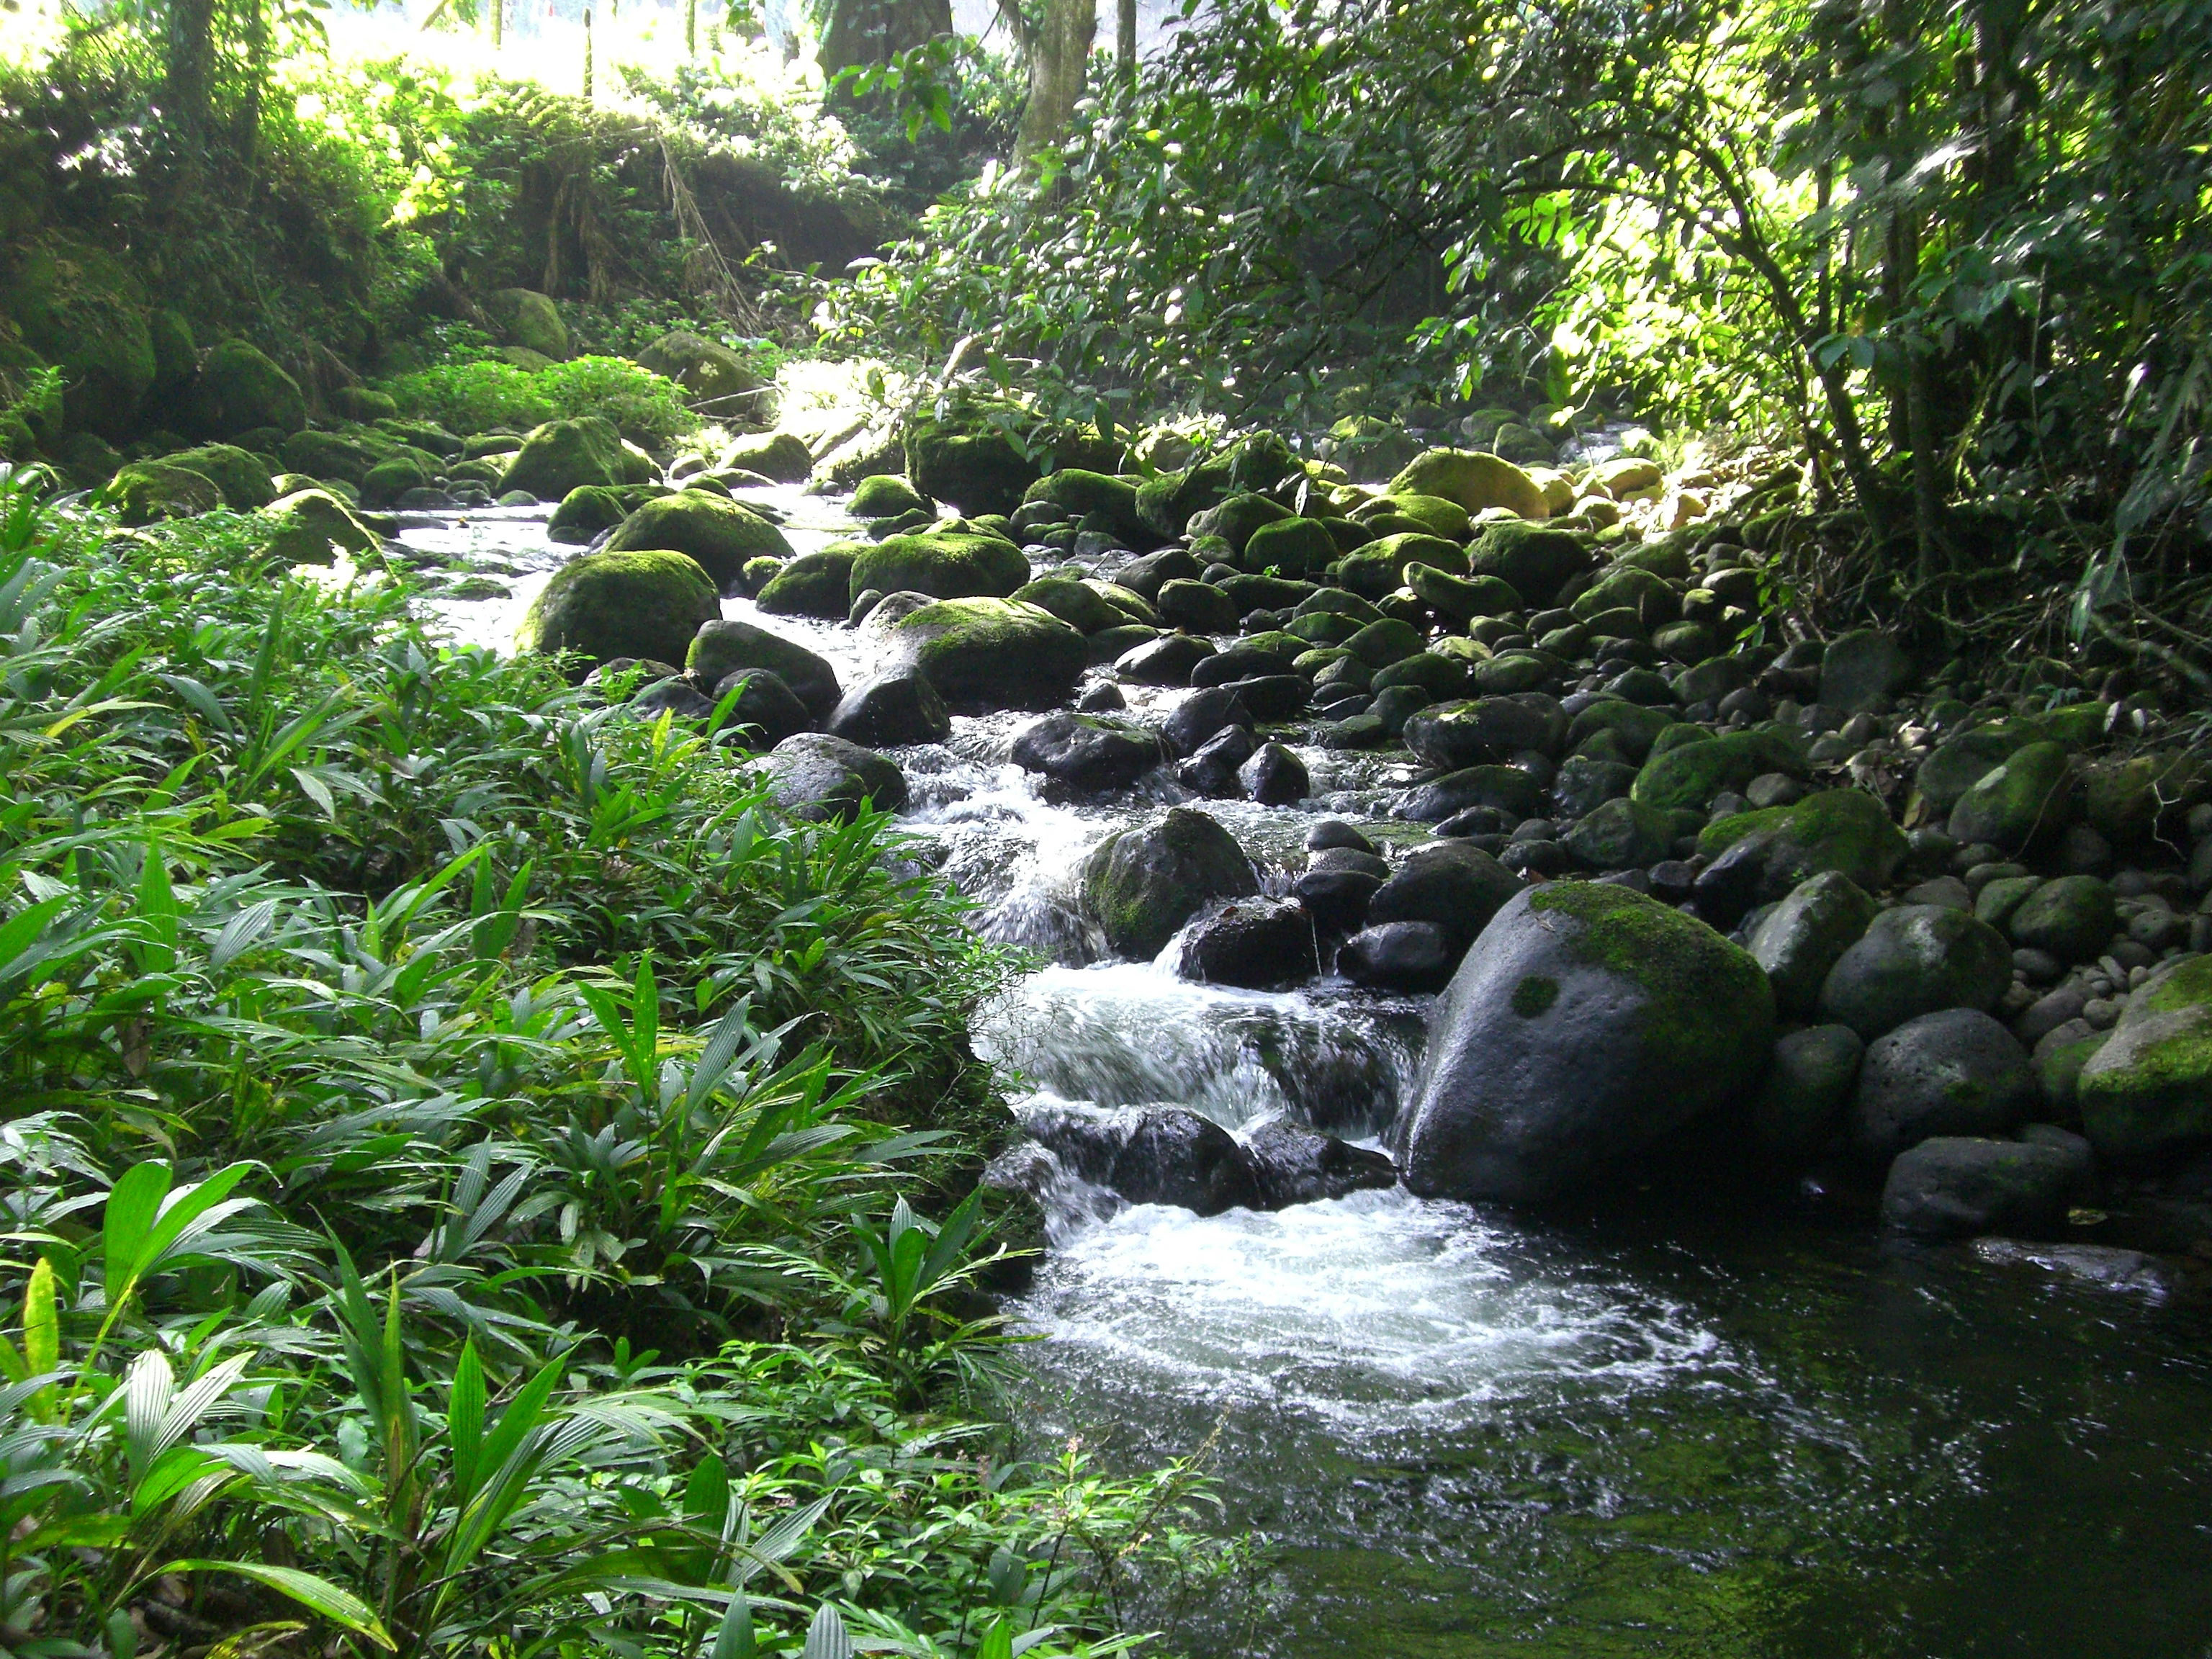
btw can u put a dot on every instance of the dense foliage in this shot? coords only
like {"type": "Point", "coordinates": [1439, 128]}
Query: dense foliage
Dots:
{"type": "Point", "coordinates": [459, 1158]}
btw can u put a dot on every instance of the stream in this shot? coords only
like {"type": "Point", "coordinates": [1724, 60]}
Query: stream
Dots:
{"type": "Point", "coordinates": [1709, 1432]}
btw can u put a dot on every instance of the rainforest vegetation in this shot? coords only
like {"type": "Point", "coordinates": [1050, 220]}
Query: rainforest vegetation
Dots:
{"type": "Point", "coordinates": [482, 1176]}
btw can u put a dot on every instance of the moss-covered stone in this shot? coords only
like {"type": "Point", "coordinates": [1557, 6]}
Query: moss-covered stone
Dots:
{"type": "Point", "coordinates": [1077, 604]}
{"type": "Point", "coordinates": [1290, 547]}
{"type": "Point", "coordinates": [1380, 566]}
{"type": "Point", "coordinates": [2026, 799]}
{"type": "Point", "coordinates": [647, 604]}
{"type": "Point", "coordinates": [1381, 643]}
{"type": "Point", "coordinates": [176, 357]}
{"type": "Point", "coordinates": [82, 311]}
{"type": "Point", "coordinates": [1844, 830]}
{"type": "Point", "coordinates": [240, 389]}
{"type": "Point", "coordinates": [781, 456]}
{"type": "Point", "coordinates": [1633, 726]}
{"type": "Point", "coordinates": [982, 654]}
{"type": "Point", "coordinates": [2124, 799]}
{"type": "Point", "coordinates": [1622, 835]}
{"type": "Point", "coordinates": [886, 495]}
{"type": "Point", "coordinates": [1433, 513]}
{"type": "Point", "coordinates": [1957, 764]}
{"type": "Point", "coordinates": [239, 475]}
{"type": "Point", "coordinates": [1460, 598]}
{"type": "Point", "coordinates": [1474, 481]}
{"type": "Point", "coordinates": [1536, 562]}
{"type": "Point", "coordinates": [361, 403]}
{"type": "Point", "coordinates": [1915, 959]}
{"type": "Point", "coordinates": [717, 532]}
{"type": "Point", "coordinates": [1626, 588]}
{"type": "Point", "coordinates": [1167, 503]}
{"type": "Point", "coordinates": [945, 564]}
{"type": "Point", "coordinates": [1804, 936]}
{"type": "Point", "coordinates": [817, 584]}
{"type": "Point", "coordinates": [585, 512]}
{"type": "Point", "coordinates": [391, 478]}
{"type": "Point", "coordinates": [983, 454]}
{"type": "Point", "coordinates": [2072, 918]}
{"type": "Point", "coordinates": [708, 372]}
{"type": "Point", "coordinates": [562, 455]}
{"type": "Point", "coordinates": [1142, 885]}
{"type": "Point", "coordinates": [1237, 518]}
{"type": "Point", "coordinates": [530, 321]}
{"type": "Point", "coordinates": [722, 646]}
{"type": "Point", "coordinates": [313, 526]}
{"type": "Point", "coordinates": [342, 455]}
{"type": "Point", "coordinates": [1689, 774]}
{"type": "Point", "coordinates": [145, 491]}
{"type": "Point", "coordinates": [2148, 1089]}
{"type": "Point", "coordinates": [1082, 493]}
{"type": "Point", "coordinates": [1810, 1082]}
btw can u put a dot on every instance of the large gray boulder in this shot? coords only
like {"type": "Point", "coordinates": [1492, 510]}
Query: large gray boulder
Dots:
{"type": "Point", "coordinates": [817, 777]}
{"type": "Point", "coordinates": [1803, 935]}
{"type": "Point", "coordinates": [1588, 1023]}
{"type": "Point", "coordinates": [891, 710]}
{"type": "Point", "coordinates": [1456, 886]}
{"type": "Point", "coordinates": [721, 648]}
{"type": "Point", "coordinates": [1914, 960]}
{"type": "Point", "coordinates": [1141, 884]}
{"type": "Point", "coordinates": [1956, 1072]}
{"type": "Point", "coordinates": [1955, 1187]}
{"type": "Point", "coordinates": [1086, 754]}
{"type": "Point", "coordinates": [984, 655]}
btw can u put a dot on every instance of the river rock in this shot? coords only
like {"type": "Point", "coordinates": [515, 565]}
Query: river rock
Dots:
{"type": "Point", "coordinates": [1259, 944]}
{"type": "Point", "coordinates": [1862, 670]}
{"type": "Point", "coordinates": [783, 457]}
{"type": "Point", "coordinates": [1292, 1165]}
{"type": "Point", "coordinates": [1399, 955]}
{"type": "Point", "coordinates": [1805, 934]}
{"type": "Point", "coordinates": [2100, 1267]}
{"type": "Point", "coordinates": [1151, 1155]}
{"type": "Point", "coordinates": [2148, 1089]}
{"type": "Point", "coordinates": [1085, 753]}
{"type": "Point", "coordinates": [707, 370]}
{"type": "Point", "coordinates": [1472, 481]}
{"type": "Point", "coordinates": [1454, 886]}
{"type": "Point", "coordinates": [721, 648]}
{"type": "Point", "coordinates": [817, 777]}
{"type": "Point", "coordinates": [1536, 562]}
{"type": "Point", "coordinates": [1274, 777]}
{"type": "Point", "coordinates": [1212, 770]}
{"type": "Point", "coordinates": [146, 492]}
{"type": "Point", "coordinates": [1846, 831]}
{"type": "Point", "coordinates": [1588, 1023]}
{"type": "Point", "coordinates": [1955, 1187]}
{"type": "Point", "coordinates": [1809, 1081]}
{"type": "Point", "coordinates": [1507, 789]}
{"type": "Point", "coordinates": [2027, 799]}
{"type": "Point", "coordinates": [2073, 917]}
{"type": "Point", "coordinates": [605, 605]}
{"type": "Point", "coordinates": [1915, 959]}
{"type": "Point", "coordinates": [890, 711]}
{"type": "Point", "coordinates": [985, 654]}
{"type": "Point", "coordinates": [1201, 714]}
{"type": "Point", "coordinates": [1955, 1072]}
{"type": "Point", "coordinates": [1622, 835]}
{"type": "Point", "coordinates": [1451, 736]}
{"type": "Point", "coordinates": [817, 584]}
{"type": "Point", "coordinates": [766, 712]}
{"type": "Point", "coordinates": [1957, 764]}
{"type": "Point", "coordinates": [1196, 607]}
{"type": "Point", "coordinates": [1168, 661]}
{"type": "Point", "coordinates": [562, 455]}
{"type": "Point", "coordinates": [722, 536]}
{"type": "Point", "coordinates": [240, 390]}
{"type": "Point", "coordinates": [945, 564]}
{"type": "Point", "coordinates": [313, 526]}
{"type": "Point", "coordinates": [1140, 885]}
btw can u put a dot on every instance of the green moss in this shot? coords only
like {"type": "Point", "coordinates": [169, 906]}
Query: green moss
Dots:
{"type": "Point", "coordinates": [885, 496]}
{"type": "Point", "coordinates": [1692, 774]}
{"type": "Point", "coordinates": [2187, 984]}
{"type": "Point", "coordinates": [713, 529]}
{"type": "Point", "coordinates": [1380, 566]}
{"type": "Point", "coordinates": [241, 390]}
{"type": "Point", "coordinates": [817, 584]}
{"type": "Point", "coordinates": [1473, 480]}
{"type": "Point", "coordinates": [1845, 830]}
{"type": "Point", "coordinates": [942, 563]}
{"type": "Point", "coordinates": [644, 604]}
{"type": "Point", "coordinates": [145, 491]}
{"type": "Point", "coordinates": [242, 479]}
{"type": "Point", "coordinates": [83, 311]}
{"type": "Point", "coordinates": [1685, 971]}
{"type": "Point", "coordinates": [1534, 994]}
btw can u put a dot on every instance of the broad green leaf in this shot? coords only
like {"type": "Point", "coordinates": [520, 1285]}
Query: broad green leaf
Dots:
{"type": "Point", "coordinates": [319, 1595]}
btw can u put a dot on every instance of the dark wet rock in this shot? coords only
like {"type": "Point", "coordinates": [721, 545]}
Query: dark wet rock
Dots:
{"type": "Point", "coordinates": [1260, 944]}
{"type": "Point", "coordinates": [1272, 698]}
{"type": "Point", "coordinates": [1582, 785]}
{"type": "Point", "coordinates": [1588, 1021]}
{"type": "Point", "coordinates": [1864, 670]}
{"type": "Point", "coordinates": [1151, 1155]}
{"type": "Point", "coordinates": [1621, 835]}
{"type": "Point", "coordinates": [1296, 1166]}
{"type": "Point", "coordinates": [817, 777]}
{"type": "Point", "coordinates": [1202, 714]}
{"type": "Point", "coordinates": [1504, 787]}
{"type": "Point", "coordinates": [1337, 899]}
{"type": "Point", "coordinates": [1147, 575]}
{"type": "Point", "coordinates": [1810, 1082]}
{"type": "Point", "coordinates": [1399, 955]}
{"type": "Point", "coordinates": [1914, 960]}
{"type": "Point", "coordinates": [1955, 1072]}
{"type": "Point", "coordinates": [1197, 607]}
{"type": "Point", "coordinates": [1212, 770]}
{"type": "Point", "coordinates": [1275, 776]}
{"type": "Point", "coordinates": [766, 712]}
{"type": "Point", "coordinates": [1454, 886]}
{"type": "Point", "coordinates": [1238, 662]}
{"type": "Point", "coordinates": [1956, 1187]}
{"type": "Point", "coordinates": [1451, 736]}
{"type": "Point", "coordinates": [1140, 885]}
{"type": "Point", "coordinates": [2147, 1092]}
{"type": "Point", "coordinates": [982, 654]}
{"type": "Point", "coordinates": [1801, 939]}
{"type": "Point", "coordinates": [1103, 698]}
{"type": "Point", "coordinates": [2072, 918]}
{"type": "Point", "coordinates": [1168, 661]}
{"type": "Point", "coordinates": [1087, 754]}
{"type": "Point", "coordinates": [2026, 799]}
{"type": "Point", "coordinates": [672, 698]}
{"type": "Point", "coordinates": [721, 648]}
{"type": "Point", "coordinates": [1335, 832]}
{"type": "Point", "coordinates": [2093, 1267]}
{"type": "Point", "coordinates": [891, 710]}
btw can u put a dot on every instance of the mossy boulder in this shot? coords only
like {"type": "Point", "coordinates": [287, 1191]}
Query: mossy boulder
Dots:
{"type": "Point", "coordinates": [717, 532]}
{"type": "Point", "coordinates": [393, 477]}
{"type": "Point", "coordinates": [562, 455]}
{"type": "Point", "coordinates": [818, 778]}
{"type": "Point", "coordinates": [240, 476]}
{"type": "Point", "coordinates": [1957, 764]}
{"type": "Point", "coordinates": [313, 526]}
{"type": "Point", "coordinates": [2148, 1090]}
{"type": "Point", "coordinates": [1237, 518]}
{"type": "Point", "coordinates": [1913, 960]}
{"type": "Point", "coordinates": [2025, 801]}
{"type": "Point", "coordinates": [530, 321]}
{"type": "Point", "coordinates": [1622, 835]}
{"type": "Point", "coordinates": [1536, 562]}
{"type": "Point", "coordinates": [945, 564]}
{"type": "Point", "coordinates": [1634, 727]}
{"type": "Point", "coordinates": [647, 604]}
{"type": "Point", "coordinates": [1082, 493]}
{"type": "Point", "coordinates": [722, 646]}
{"type": "Point", "coordinates": [886, 495]}
{"type": "Point", "coordinates": [1689, 774]}
{"type": "Point", "coordinates": [1804, 936]}
{"type": "Point", "coordinates": [2072, 918]}
{"type": "Point", "coordinates": [585, 512]}
{"type": "Point", "coordinates": [1077, 604]}
{"type": "Point", "coordinates": [241, 389]}
{"type": "Point", "coordinates": [984, 655]}
{"type": "Point", "coordinates": [707, 371]}
{"type": "Point", "coordinates": [1168, 503]}
{"type": "Point", "coordinates": [146, 491]}
{"type": "Point", "coordinates": [2124, 799]}
{"type": "Point", "coordinates": [82, 311]}
{"type": "Point", "coordinates": [1588, 1023]}
{"type": "Point", "coordinates": [1289, 547]}
{"type": "Point", "coordinates": [817, 584]}
{"type": "Point", "coordinates": [176, 357]}
{"type": "Point", "coordinates": [1380, 566]}
{"type": "Point", "coordinates": [1140, 885]}
{"type": "Point", "coordinates": [781, 456]}
{"type": "Point", "coordinates": [1433, 513]}
{"type": "Point", "coordinates": [342, 455]}
{"type": "Point", "coordinates": [1459, 598]}
{"type": "Point", "coordinates": [1845, 831]}
{"type": "Point", "coordinates": [361, 403]}
{"type": "Point", "coordinates": [981, 454]}
{"type": "Point", "coordinates": [1471, 480]}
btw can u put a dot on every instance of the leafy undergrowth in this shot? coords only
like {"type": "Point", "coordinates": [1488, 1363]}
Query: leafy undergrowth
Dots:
{"type": "Point", "coordinates": [455, 1163]}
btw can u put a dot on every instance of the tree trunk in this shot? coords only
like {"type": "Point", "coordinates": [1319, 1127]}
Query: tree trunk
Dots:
{"type": "Point", "coordinates": [1125, 38]}
{"type": "Point", "coordinates": [1058, 55]}
{"type": "Point", "coordinates": [867, 34]}
{"type": "Point", "coordinates": [190, 65]}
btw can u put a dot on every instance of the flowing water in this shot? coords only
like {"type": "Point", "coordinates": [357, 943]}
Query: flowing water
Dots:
{"type": "Point", "coordinates": [1708, 1433]}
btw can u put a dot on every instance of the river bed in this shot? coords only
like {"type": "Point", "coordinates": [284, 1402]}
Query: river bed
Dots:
{"type": "Point", "coordinates": [1713, 1432]}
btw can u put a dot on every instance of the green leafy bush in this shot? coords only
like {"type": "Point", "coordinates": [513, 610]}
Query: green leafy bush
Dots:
{"type": "Point", "coordinates": [474, 396]}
